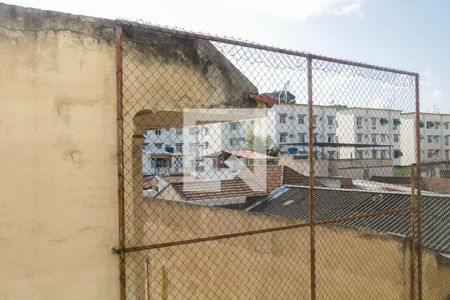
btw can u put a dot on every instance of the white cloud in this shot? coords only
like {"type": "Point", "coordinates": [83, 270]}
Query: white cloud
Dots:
{"type": "Point", "coordinates": [437, 94]}
{"type": "Point", "coordinates": [305, 9]}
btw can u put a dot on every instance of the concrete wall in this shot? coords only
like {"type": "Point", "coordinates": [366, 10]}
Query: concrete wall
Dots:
{"type": "Point", "coordinates": [351, 168]}
{"type": "Point", "coordinates": [351, 264]}
{"type": "Point", "coordinates": [58, 123]}
{"type": "Point", "coordinates": [58, 186]}
{"type": "Point", "coordinates": [436, 185]}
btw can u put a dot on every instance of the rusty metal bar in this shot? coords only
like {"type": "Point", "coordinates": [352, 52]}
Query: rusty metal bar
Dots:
{"type": "Point", "coordinates": [260, 231]}
{"type": "Point", "coordinates": [163, 283]}
{"type": "Point", "coordinates": [419, 194]}
{"type": "Point", "coordinates": [148, 274]}
{"type": "Point", "coordinates": [210, 238]}
{"type": "Point", "coordinates": [312, 231]}
{"type": "Point", "coordinates": [413, 234]}
{"type": "Point", "coordinates": [212, 38]}
{"type": "Point", "coordinates": [120, 159]}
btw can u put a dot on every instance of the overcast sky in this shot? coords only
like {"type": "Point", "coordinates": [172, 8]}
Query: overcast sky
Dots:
{"type": "Point", "coordinates": [405, 34]}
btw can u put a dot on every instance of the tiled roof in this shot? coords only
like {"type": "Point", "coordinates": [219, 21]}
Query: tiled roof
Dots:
{"type": "Point", "coordinates": [250, 154]}
{"type": "Point", "coordinates": [176, 178]}
{"type": "Point", "coordinates": [276, 176]}
{"type": "Point", "coordinates": [293, 202]}
{"type": "Point", "coordinates": [216, 189]}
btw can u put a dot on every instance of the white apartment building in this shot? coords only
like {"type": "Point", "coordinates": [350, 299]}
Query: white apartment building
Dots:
{"type": "Point", "coordinates": [340, 133]}
{"type": "Point", "coordinates": [164, 150]}
{"type": "Point", "coordinates": [370, 133]}
{"type": "Point", "coordinates": [287, 127]}
{"type": "Point", "coordinates": [434, 137]}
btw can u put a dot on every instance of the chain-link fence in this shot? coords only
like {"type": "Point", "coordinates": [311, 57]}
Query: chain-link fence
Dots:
{"type": "Point", "coordinates": [250, 172]}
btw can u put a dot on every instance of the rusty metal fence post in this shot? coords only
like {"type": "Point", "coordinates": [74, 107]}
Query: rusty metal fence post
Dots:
{"type": "Point", "coordinates": [311, 179]}
{"type": "Point", "coordinates": [418, 197]}
{"type": "Point", "coordinates": [413, 234]}
{"type": "Point", "coordinates": [120, 160]}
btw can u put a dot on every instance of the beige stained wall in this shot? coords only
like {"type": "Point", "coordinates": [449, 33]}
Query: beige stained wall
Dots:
{"type": "Point", "coordinates": [58, 170]}
{"type": "Point", "coordinates": [351, 263]}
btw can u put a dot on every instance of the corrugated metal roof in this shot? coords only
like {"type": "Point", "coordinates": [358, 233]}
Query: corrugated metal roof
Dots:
{"type": "Point", "coordinates": [293, 202]}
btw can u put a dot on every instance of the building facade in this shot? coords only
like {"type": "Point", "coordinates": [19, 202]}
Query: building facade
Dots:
{"type": "Point", "coordinates": [340, 132]}
{"type": "Point", "coordinates": [368, 133]}
{"type": "Point", "coordinates": [434, 137]}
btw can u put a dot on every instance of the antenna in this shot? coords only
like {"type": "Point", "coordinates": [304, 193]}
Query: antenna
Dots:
{"type": "Point", "coordinates": [284, 92]}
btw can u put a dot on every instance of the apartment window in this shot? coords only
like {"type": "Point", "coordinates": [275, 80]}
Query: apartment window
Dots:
{"type": "Point", "coordinates": [374, 122]}
{"type": "Point", "coordinates": [192, 147]}
{"type": "Point", "coordinates": [359, 122]}
{"type": "Point", "coordinates": [283, 137]}
{"type": "Point", "coordinates": [359, 138]}
{"type": "Point", "coordinates": [430, 153]}
{"type": "Point", "coordinates": [359, 154]}
{"type": "Point", "coordinates": [302, 137]}
{"type": "Point", "coordinates": [282, 118]}
{"type": "Point", "coordinates": [396, 138]}
{"type": "Point", "coordinates": [206, 145]}
{"type": "Point", "coordinates": [205, 130]}
{"type": "Point", "coordinates": [192, 131]}
{"type": "Point", "coordinates": [234, 126]}
{"type": "Point", "coordinates": [331, 154]}
{"type": "Point", "coordinates": [430, 139]}
{"type": "Point", "coordinates": [301, 119]}
{"type": "Point", "coordinates": [179, 147]}
{"type": "Point", "coordinates": [384, 121]}
{"type": "Point", "coordinates": [383, 154]}
{"type": "Point", "coordinates": [315, 120]}
{"type": "Point", "coordinates": [179, 131]}
{"type": "Point", "coordinates": [374, 154]}
{"type": "Point", "coordinates": [236, 141]}
{"type": "Point", "coordinates": [158, 132]}
{"type": "Point", "coordinates": [447, 154]}
{"type": "Point", "coordinates": [158, 145]}
{"type": "Point", "coordinates": [383, 138]}
{"type": "Point", "coordinates": [330, 120]}
{"type": "Point", "coordinates": [436, 125]}
{"type": "Point", "coordinates": [374, 138]}
{"type": "Point", "coordinates": [436, 139]}
{"type": "Point", "coordinates": [330, 138]}
{"type": "Point", "coordinates": [446, 125]}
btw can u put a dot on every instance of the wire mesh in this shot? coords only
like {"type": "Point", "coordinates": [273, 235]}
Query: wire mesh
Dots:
{"type": "Point", "coordinates": [219, 157]}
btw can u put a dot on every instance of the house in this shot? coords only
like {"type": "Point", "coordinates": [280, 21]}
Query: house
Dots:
{"type": "Point", "coordinates": [247, 157]}
{"type": "Point", "coordinates": [160, 161]}
{"type": "Point", "coordinates": [232, 193]}
{"type": "Point", "coordinates": [292, 202]}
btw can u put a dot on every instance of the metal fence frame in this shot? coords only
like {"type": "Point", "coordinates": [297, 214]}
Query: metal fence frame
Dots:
{"type": "Point", "coordinates": [416, 220]}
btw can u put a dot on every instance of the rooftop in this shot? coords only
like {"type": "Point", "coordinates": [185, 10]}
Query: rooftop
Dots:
{"type": "Point", "coordinates": [293, 202]}
{"type": "Point", "coordinates": [203, 190]}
